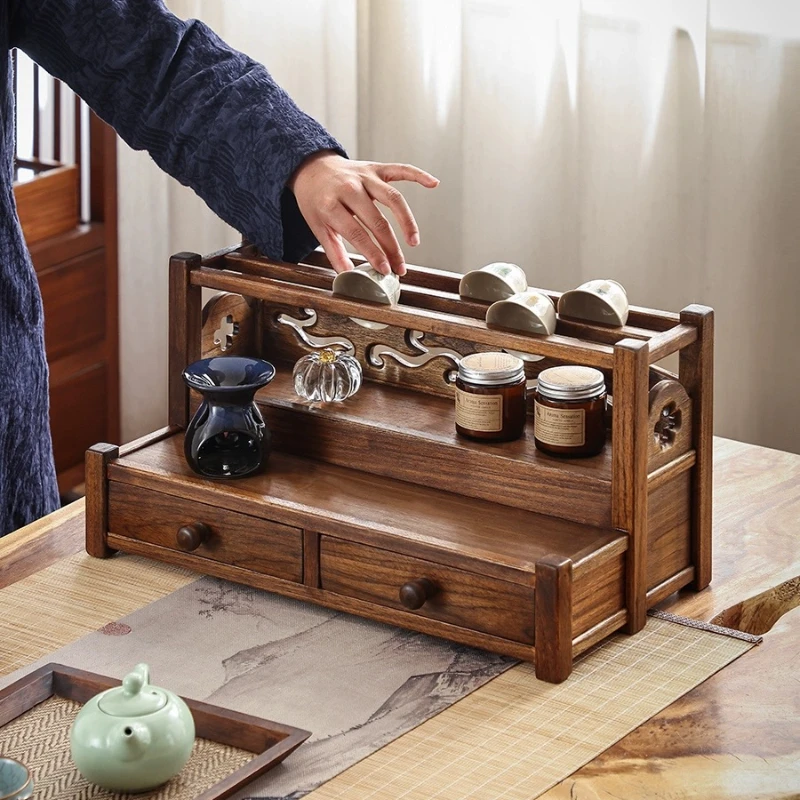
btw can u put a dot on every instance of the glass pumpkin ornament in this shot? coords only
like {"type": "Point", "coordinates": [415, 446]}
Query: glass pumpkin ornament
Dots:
{"type": "Point", "coordinates": [327, 376]}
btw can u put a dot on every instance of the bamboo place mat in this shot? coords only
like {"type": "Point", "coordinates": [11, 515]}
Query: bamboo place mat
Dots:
{"type": "Point", "coordinates": [75, 596]}
{"type": "Point", "coordinates": [40, 740]}
{"type": "Point", "coordinates": [517, 736]}
{"type": "Point", "coordinates": [511, 739]}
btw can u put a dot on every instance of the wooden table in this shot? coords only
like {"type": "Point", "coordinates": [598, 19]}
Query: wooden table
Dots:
{"type": "Point", "coordinates": [735, 736]}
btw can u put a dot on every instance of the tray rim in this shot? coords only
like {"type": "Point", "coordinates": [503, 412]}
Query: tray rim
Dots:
{"type": "Point", "coordinates": [215, 723]}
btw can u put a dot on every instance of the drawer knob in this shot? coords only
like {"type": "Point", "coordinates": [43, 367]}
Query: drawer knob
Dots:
{"type": "Point", "coordinates": [191, 536]}
{"type": "Point", "coordinates": [415, 594]}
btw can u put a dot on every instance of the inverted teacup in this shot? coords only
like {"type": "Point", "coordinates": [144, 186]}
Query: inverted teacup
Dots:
{"type": "Point", "coordinates": [530, 311]}
{"type": "Point", "coordinates": [16, 781]}
{"type": "Point", "coordinates": [364, 283]}
{"type": "Point", "coordinates": [602, 301]}
{"type": "Point", "coordinates": [496, 281]}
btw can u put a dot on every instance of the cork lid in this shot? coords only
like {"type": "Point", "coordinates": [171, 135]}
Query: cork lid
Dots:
{"type": "Point", "coordinates": [571, 383]}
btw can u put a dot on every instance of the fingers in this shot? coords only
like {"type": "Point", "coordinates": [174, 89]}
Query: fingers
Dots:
{"type": "Point", "coordinates": [406, 172]}
{"type": "Point", "coordinates": [348, 209]}
{"type": "Point", "coordinates": [373, 220]}
{"type": "Point", "coordinates": [334, 249]}
{"type": "Point", "coordinates": [393, 199]}
{"type": "Point", "coordinates": [345, 224]}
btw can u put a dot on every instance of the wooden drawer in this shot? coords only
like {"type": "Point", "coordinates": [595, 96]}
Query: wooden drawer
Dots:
{"type": "Point", "coordinates": [237, 539]}
{"type": "Point", "coordinates": [461, 598]}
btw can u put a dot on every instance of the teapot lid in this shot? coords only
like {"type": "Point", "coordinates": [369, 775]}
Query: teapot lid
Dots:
{"type": "Point", "coordinates": [135, 698]}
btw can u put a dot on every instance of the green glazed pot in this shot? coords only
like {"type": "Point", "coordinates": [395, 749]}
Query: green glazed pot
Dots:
{"type": "Point", "coordinates": [133, 737]}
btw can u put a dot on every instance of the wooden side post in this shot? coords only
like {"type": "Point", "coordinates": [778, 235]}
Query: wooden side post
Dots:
{"type": "Point", "coordinates": [696, 373]}
{"type": "Point", "coordinates": [97, 458]}
{"type": "Point", "coordinates": [185, 326]}
{"type": "Point", "coordinates": [553, 619]}
{"type": "Point", "coordinates": [629, 471]}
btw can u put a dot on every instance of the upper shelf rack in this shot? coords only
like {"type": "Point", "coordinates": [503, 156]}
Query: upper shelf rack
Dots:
{"type": "Point", "coordinates": [429, 302]}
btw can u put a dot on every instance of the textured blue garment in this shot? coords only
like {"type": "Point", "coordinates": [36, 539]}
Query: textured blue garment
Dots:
{"type": "Point", "coordinates": [208, 115]}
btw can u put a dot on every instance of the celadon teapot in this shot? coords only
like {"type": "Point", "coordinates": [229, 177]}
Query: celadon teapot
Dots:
{"type": "Point", "coordinates": [133, 737]}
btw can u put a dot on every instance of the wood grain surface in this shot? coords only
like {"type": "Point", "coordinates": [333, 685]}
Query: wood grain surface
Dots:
{"type": "Point", "coordinates": [369, 430]}
{"type": "Point", "coordinates": [237, 539]}
{"type": "Point", "coordinates": [35, 546]}
{"type": "Point", "coordinates": [756, 528]}
{"type": "Point", "coordinates": [49, 203]}
{"type": "Point", "coordinates": [419, 521]}
{"type": "Point", "coordinates": [589, 353]}
{"type": "Point", "coordinates": [669, 424]}
{"type": "Point", "coordinates": [745, 745]}
{"type": "Point", "coordinates": [74, 294]}
{"type": "Point", "coordinates": [185, 324]}
{"type": "Point", "coordinates": [249, 262]}
{"type": "Point", "coordinates": [554, 619]}
{"type": "Point", "coordinates": [629, 471]}
{"type": "Point", "coordinates": [734, 737]}
{"type": "Point", "coordinates": [462, 598]}
{"type": "Point", "coordinates": [696, 370]}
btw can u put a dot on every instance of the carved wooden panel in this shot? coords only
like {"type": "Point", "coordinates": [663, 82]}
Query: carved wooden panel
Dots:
{"type": "Point", "coordinates": [229, 326]}
{"type": "Point", "coordinates": [283, 342]}
{"type": "Point", "coordinates": [669, 424]}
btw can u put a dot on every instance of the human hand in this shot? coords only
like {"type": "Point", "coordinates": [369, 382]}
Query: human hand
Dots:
{"type": "Point", "coordinates": [337, 197]}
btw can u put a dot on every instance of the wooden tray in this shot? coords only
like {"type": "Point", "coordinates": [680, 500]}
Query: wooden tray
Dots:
{"type": "Point", "coordinates": [269, 742]}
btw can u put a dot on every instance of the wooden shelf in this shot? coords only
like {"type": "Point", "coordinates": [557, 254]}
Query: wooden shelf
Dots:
{"type": "Point", "coordinates": [375, 506]}
{"type": "Point", "coordinates": [410, 436]}
{"type": "Point", "coordinates": [461, 531]}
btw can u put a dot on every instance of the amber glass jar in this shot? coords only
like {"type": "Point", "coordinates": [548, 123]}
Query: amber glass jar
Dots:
{"type": "Point", "coordinates": [570, 411]}
{"type": "Point", "coordinates": [490, 397]}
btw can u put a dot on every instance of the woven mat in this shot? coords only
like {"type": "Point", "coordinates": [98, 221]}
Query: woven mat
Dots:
{"type": "Point", "coordinates": [517, 736]}
{"type": "Point", "coordinates": [513, 738]}
{"type": "Point", "coordinates": [73, 597]}
{"type": "Point", "coordinates": [40, 740]}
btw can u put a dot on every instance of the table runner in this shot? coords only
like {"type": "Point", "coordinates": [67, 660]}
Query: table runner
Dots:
{"type": "Point", "coordinates": [355, 683]}
{"type": "Point", "coordinates": [513, 738]}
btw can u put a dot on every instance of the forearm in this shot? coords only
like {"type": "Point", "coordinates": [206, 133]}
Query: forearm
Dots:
{"type": "Point", "coordinates": [208, 115]}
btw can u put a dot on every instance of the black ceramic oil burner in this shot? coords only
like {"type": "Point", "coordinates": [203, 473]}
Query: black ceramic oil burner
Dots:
{"type": "Point", "coordinates": [227, 437]}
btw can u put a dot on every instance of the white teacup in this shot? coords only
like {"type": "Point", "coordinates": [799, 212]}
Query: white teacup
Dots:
{"type": "Point", "coordinates": [530, 311]}
{"type": "Point", "coordinates": [493, 282]}
{"type": "Point", "coordinates": [602, 301]}
{"type": "Point", "coordinates": [364, 283]}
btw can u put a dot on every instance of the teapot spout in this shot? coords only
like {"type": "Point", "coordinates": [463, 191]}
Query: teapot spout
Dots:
{"type": "Point", "coordinates": [130, 741]}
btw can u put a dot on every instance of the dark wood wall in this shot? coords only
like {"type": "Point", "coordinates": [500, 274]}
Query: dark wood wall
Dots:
{"type": "Point", "coordinates": [69, 217]}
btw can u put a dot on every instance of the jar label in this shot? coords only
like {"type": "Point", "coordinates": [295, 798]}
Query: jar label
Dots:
{"type": "Point", "coordinates": [479, 412]}
{"type": "Point", "coordinates": [560, 426]}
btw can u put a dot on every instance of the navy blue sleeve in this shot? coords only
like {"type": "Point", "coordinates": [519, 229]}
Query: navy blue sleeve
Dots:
{"type": "Point", "coordinates": [208, 115]}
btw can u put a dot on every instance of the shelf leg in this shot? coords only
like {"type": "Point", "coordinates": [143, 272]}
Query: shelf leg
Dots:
{"type": "Point", "coordinates": [97, 458]}
{"type": "Point", "coordinates": [185, 325]}
{"type": "Point", "coordinates": [629, 471]}
{"type": "Point", "coordinates": [553, 619]}
{"type": "Point", "coordinates": [696, 373]}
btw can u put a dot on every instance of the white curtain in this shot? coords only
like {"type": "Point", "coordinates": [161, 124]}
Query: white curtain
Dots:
{"type": "Point", "coordinates": [648, 141]}
{"type": "Point", "coordinates": [654, 142]}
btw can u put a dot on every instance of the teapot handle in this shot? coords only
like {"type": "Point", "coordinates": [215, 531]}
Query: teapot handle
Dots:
{"type": "Point", "coordinates": [133, 682]}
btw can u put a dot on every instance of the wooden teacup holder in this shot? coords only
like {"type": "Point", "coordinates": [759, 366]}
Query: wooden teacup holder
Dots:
{"type": "Point", "coordinates": [376, 507]}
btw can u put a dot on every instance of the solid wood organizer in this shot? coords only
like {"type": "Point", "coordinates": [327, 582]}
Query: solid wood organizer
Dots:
{"type": "Point", "coordinates": [376, 507]}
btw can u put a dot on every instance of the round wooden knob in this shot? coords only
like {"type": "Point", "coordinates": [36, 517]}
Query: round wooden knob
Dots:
{"type": "Point", "coordinates": [415, 594]}
{"type": "Point", "coordinates": [191, 536]}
